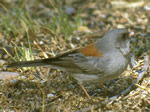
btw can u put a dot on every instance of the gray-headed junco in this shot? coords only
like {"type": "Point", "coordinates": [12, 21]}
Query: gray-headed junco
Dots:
{"type": "Point", "coordinates": [99, 62]}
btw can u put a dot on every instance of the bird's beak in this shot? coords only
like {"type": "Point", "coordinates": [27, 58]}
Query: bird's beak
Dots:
{"type": "Point", "coordinates": [131, 34]}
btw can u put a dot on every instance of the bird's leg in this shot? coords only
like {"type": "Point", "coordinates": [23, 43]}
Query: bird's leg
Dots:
{"type": "Point", "coordinates": [85, 91]}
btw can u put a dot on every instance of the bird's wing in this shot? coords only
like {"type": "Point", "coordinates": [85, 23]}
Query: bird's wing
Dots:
{"type": "Point", "coordinates": [83, 60]}
{"type": "Point", "coordinates": [90, 64]}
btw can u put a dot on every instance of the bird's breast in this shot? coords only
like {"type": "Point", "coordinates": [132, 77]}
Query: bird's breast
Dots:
{"type": "Point", "coordinates": [115, 67]}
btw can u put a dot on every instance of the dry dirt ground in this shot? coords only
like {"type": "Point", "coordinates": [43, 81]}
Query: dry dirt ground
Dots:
{"type": "Point", "coordinates": [44, 89]}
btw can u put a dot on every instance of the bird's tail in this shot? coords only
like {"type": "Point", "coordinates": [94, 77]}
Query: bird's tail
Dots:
{"type": "Point", "coordinates": [34, 63]}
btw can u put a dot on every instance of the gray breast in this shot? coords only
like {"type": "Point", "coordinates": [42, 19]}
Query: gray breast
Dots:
{"type": "Point", "coordinates": [115, 68]}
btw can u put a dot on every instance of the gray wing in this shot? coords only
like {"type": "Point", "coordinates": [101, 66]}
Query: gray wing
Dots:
{"type": "Point", "coordinates": [77, 63]}
{"type": "Point", "coordinates": [91, 65]}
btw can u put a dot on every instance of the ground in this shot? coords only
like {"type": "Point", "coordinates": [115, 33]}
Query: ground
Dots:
{"type": "Point", "coordinates": [34, 29]}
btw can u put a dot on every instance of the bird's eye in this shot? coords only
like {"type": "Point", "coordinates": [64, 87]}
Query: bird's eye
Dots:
{"type": "Point", "coordinates": [124, 35]}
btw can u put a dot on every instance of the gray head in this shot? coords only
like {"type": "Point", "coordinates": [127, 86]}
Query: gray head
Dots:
{"type": "Point", "coordinates": [115, 39]}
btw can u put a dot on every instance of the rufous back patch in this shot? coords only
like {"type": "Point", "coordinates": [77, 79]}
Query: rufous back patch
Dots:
{"type": "Point", "coordinates": [90, 50]}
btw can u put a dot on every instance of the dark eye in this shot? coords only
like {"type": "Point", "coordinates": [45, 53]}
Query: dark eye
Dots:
{"type": "Point", "coordinates": [125, 35]}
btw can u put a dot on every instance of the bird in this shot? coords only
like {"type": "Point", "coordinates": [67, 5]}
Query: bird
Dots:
{"type": "Point", "coordinates": [101, 61]}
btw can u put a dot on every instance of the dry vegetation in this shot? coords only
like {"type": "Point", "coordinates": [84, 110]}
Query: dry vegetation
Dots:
{"type": "Point", "coordinates": [39, 29]}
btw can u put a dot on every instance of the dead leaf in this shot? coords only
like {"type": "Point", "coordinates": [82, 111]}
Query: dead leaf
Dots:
{"type": "Point", "coordinates": [83, 29]}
